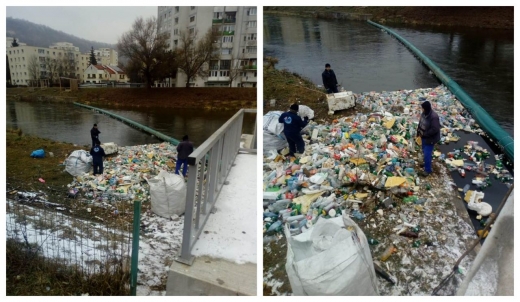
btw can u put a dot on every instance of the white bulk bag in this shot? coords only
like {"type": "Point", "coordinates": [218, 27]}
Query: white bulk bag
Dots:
{"type": "Point", "coordinates": [271, 123]}
{"type": "Point", "coordinates": [78, 163]}
{"type": "Point", "coordinates": [305, 111]}
{"type": "Point", "coordinates": [168, 194]}
{"type": "Point", "coordinates": [332, 258]}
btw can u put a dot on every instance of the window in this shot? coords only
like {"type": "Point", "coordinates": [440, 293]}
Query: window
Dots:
{"type": "Point", "coordinates": [9, 52]}
{"type": "Point", "coordinates": [176, 31]}
{"type": "Point", "coordinates": [213, 73]}
{"type": "Point", "coordinates": [251, 24]}
{"type": "Point", "coordinates": [226, 51]}
{"type": "Point", "coordinates": [41, 51]}
{"type": "Point", "coordinates": [22, 50]}
{"type": "Point", "coordinates": [23, 58]}
{"type": "Point", "coordinates": [175, 42]}
{"type": "Point", "coordinates": [176, 20]}
{"type": "Point", "coordinates": [217, 16]}
{"type": "Point", "coordinates": [100, 76]}
{"type": "Point", "coordinates": [192, 7]}
{"type": "Point", "coordinates": [192, 31]}
{"type": "Point", "coordinates": [251, 11]}
{"type": "Point", "coordinates": [25, 73]}
{"type": "Point", "coordinates": [176, 9]}
{"type": "Point", "coordinates": [227, 39]}
{"type": "Point", "coordinates": [192, 19]}
{"type": "Point", "coordinates": [213, 65]}
{"type": "Point", "coordinates": [225, 64]}
{"type": "Point", "coordinates": [250, 37]}
{"type": "Point", "coordinates": [54, 53]}
{"type": "Point", "coordinates": [122, 76]}
{"type": "Point", "coordinates": [224, 73]}
{"type": "Point", "coordinates": [251, 49]}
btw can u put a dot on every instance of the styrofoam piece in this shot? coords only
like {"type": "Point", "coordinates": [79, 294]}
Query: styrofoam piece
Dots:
{"type": "Point", "coordinates": [341, 101]}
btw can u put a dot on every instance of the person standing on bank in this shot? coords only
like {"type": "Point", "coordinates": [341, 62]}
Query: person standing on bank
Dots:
{"type": "Point", "coordinates": [429, 130]}
{"type": "Point", "coordinates": [94, 134]}
{"type": "Point", "coordinates": [329, 79]}
{"type": "Point", "coordinates": [292, 126]}
{"type": "Point", "coordinates": [184, 149]}
{"type": "Point", "coordinates": [97, 157]}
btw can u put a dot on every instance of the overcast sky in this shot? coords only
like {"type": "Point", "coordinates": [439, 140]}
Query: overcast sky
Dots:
{"type": "Point", "coordinates": [95, 23]}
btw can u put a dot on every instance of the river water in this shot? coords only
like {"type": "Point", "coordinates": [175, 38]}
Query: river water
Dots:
{"type": "Point", "coordinates": [366, 59]}
{"type": "Point", "coordinates": [68, 123]}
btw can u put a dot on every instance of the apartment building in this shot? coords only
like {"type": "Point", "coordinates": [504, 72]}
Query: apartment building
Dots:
{"type": "Point", "coordinates": [237, 44]}
{"type": "Point", "coordinates": [19, 59]}
{"type": "Point", "coordinates": [106, 56]}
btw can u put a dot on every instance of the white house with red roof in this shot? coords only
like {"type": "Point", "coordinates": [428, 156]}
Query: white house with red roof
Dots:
{"type": "Point", "coordinates": [104, 74]}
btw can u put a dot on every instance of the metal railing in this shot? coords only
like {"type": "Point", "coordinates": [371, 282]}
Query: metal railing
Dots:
{"type": "Point", "coordinates": [209, 166]}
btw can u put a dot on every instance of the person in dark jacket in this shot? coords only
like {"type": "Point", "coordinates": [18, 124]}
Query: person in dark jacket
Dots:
{"type": "Point", "coordinates": [292, 125]}
{"type": "Point", "coordinates": [94, 134]}
{"type": "Point", "coordinates": [97, 157]}
{"type": "Point", "coordinates": [429, 130]}
{"type": "Point", "coordinates": [184, 149]}
{"type": "Point", "coordinates": [329, 79]}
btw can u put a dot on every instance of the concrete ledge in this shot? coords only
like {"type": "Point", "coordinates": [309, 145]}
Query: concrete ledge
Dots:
{"type": "Point", "coordinates": [211, 277]}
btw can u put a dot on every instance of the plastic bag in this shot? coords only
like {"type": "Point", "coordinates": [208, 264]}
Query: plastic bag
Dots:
{"type": "Point", "coordinates": [78, 163]}
{"type": "Point", "coordinates": [305, 111]}
{"type": "Point", "coordinates": [330, 259]}
{"type": "Point", "coordinates": [168, 194]}
{"type": "Point", "coordinates": [38, 153]}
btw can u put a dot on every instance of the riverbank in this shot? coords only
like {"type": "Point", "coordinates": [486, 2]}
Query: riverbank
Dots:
{"type": "Point", "coordinates": [480, 17]}
{"type": "Point", "coordinates": [221, 98]}
{"type": "Point", "coordinates": [288, 87]}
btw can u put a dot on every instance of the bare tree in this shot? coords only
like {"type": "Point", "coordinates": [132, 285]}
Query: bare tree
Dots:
{"type": "Point", "coordinates": [236, 68]}
{"type": "Point", "coordinates": [33, 66]}
{"type": "Point", "coordinates": [67, 65]}
{"type": "Point", "coordinates": [144, 45]}
{"type": "Point", "coordinates": [52, 65]}
{"type": "Point", "coordinates": [193, 55]}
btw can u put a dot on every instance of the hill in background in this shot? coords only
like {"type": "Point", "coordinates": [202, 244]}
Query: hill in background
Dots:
{"type": "Point", "coordinates": [43, 36]}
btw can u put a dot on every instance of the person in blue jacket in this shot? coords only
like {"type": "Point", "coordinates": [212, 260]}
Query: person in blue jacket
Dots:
{"type": "Point", "coordinates": [184, 149]}
{"type": "Point", "coordinates": [292, 125]}
{"type": "Point", "coordinates": [429, 130]}
{"type": "Point", "coordinates": [97, 157]}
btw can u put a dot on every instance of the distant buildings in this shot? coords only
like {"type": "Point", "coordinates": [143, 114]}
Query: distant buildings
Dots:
{"type": "Point", "coordinates": [103, 73]}
{"type": "Point", "coordinates": [237, 43]}
{"type": "Point", "coordinates": [30, 63]}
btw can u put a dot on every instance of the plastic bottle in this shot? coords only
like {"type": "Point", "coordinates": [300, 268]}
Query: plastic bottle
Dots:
{"type": "Point", "coordinates": [373, 241]}
{"type": "Point", "coordinates": [275, 227]}
{"type": "Point", "coordinates": [409, 234]}
{"type": "Point", "coordinates": [388, 252]}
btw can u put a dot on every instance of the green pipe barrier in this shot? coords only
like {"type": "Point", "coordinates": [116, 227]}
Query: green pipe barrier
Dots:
{"type": "Point", "coordinates": [486, 122]}
{"type": "Point", "coordinates": [156, 133]}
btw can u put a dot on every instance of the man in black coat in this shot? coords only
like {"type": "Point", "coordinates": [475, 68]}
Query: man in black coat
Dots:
{"type": "Point", "coordinates": [429, 130]}
{"type": "Point", "coordinates": [329, 79]}
{"type": "Point", "coordinates": [292, 126]}
{"type": "Point", "coordinates": [94, 134]}
{"type": "Point", "coordinates": [97, 157]}
{"type": "Point", "coordinates": [184, 149]}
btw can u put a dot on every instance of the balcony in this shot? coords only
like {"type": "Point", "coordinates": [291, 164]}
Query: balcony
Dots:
{"type": "Point", "coordinates": [250, 67]}
{"type": "Point", "coordinates": [230, 20]}
{"type": "Point", "coordinates": [228, 33]}
{"type": "Point", "coordinates": [215, 21]}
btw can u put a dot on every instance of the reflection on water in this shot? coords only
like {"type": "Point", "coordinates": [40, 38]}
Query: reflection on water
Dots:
{"type": "Point", "coordinates": [69, 123]}
{"type": "Point", "coordinates": [367, 59]}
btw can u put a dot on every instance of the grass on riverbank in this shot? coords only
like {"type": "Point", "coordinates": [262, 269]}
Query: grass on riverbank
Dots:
{"type": "Point", "coordinates": [23, 174]}
{"type": "Point", "coordinates": [30, 274]}
{"type": "Point", "coordinates": [480, 17]}
{"type": "Point", "coordinates": [287, 87]}
{"type": "Point", "coordinates": [207, 98]}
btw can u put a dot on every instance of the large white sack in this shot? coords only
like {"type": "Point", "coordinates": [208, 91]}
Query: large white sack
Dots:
{"type": "Point", "coordinates": [168, 194]}
{"type": "Point", "coordinates": [305, 111]}
{"type": "Point", "coordinates": [271, 123]}
{"type": "Point", "coordinates": [274, 142]}
{"type": "Point", "coordinates": [78, 163]}
{"type": "Point", "coordinates": [330, 260]}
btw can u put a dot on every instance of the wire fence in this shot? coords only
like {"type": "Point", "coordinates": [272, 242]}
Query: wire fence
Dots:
{"type": "Point", "coordinates": [56, 233]}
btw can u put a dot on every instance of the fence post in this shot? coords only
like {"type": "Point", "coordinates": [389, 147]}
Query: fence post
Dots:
{"type": "Point", "coordinates": [135, 247]}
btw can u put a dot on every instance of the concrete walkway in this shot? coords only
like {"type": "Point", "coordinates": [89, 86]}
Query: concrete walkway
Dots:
{"type": "Point", "coordinates": [225, 252]}
{"type": "Point", "coordinates": [492, 272]}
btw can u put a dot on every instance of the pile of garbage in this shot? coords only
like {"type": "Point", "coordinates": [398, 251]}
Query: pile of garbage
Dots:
{"type": "Point", "coordinates": [125, 174]}
{"type": "Point", "coordinates": [365, 167]}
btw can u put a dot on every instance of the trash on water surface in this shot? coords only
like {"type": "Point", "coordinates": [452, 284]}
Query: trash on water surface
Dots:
{"type": "Point", "coordinates": [363, 164]}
